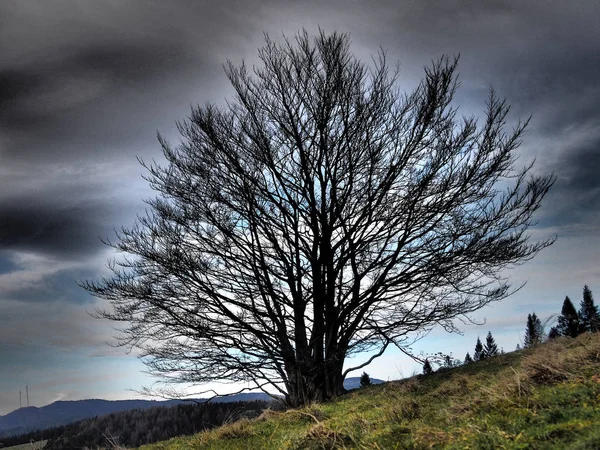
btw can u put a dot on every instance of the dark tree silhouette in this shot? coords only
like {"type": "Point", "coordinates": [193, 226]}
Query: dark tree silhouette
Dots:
{"type": "Point", "coordinates": [479, 352]}
{"type": "Point", "coordinates": [490, 348]}
{"type": "Point", "coordinates": [427, 369]}
{"type": "Point", "coordinates": [569, 323]}
{"type": "Point", "coordinates": [553, 333]}
{"type": "Point", "coordinates": [534, 331]}
{"type": "Point", "coordinates": [448, 361]}
{"type": "Point", "coordinates": [588, 311]}
{"type": "Point", "coordinates": [365, 380]}
{"type": "Point", "coordinates": [468, 359]}
{"type": "Point", "coordinates": [318, 215]}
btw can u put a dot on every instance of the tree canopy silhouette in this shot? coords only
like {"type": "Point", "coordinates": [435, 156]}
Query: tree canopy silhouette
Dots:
{"type": "Point", "coordinates": [479, 353]}
{"type": "Point", "coordinates": [365, 380]}
{"type": "Point", "coordinates": [534, 331]}
{"type": "Point", "coordinates": [569, 322]}
{"type": "Point", "coordinates": [490, 348]}
{"type": "Point", "coordinates": [427, 369]}
{"type": "Point", "coordinates": [320, 214]}
{"type": "Point", "coordinates": [589, 315]}
{"type": "Point", "coordinates": [468, 359]}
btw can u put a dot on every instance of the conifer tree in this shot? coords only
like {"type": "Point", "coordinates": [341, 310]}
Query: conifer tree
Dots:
{"type": "Point", "coordinates": [365, 380]}
{"type": "Point", "coordinates": [427, 369]}
{"type": "Point", "coordinates": [553, 333]}
{"type": "Point", "coordinates": [479, 352]}
{"type": "Point", "coordinates": [468, 359]}
{"type": "Point", "coordinates": [534, 332]}
{"type": "Point", "coordinates": [490, 349]}
{"type": "Point", "coordinates": [569, 323]}
{"type": "Point", "coordinates": [590, 317]}
{"type": "Point", "coordinates": [448, 361]}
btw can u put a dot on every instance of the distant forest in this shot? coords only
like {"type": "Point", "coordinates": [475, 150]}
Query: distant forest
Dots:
{"type": "Point", "coordinates": [141, 426]}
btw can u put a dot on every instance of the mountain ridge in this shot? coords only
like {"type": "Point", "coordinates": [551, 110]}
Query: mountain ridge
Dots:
{"type": "Point", "coordinates": [63, 412]}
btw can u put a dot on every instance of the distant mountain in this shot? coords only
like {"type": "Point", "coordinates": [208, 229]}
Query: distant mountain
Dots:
{"type": "Point", "coordinates": [354, 382]}
{"type": "Point", "coordinates": [24, 420]}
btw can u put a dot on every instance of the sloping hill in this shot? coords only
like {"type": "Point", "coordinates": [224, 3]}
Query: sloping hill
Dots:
{"type": "Point", "coordinates": [63, 412]}
{"type": "Point", "coordinates": [28, 419]}
{"type": "Point", "coordinates": [546, 397]}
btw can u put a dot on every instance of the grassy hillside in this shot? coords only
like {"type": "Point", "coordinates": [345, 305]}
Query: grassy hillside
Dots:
{"type": "Point", "coordinates": [547, 397]}
{"type": "Point", "coordinates": [31, 446]}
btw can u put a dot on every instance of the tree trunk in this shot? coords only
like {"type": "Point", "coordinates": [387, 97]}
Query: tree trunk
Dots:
{"type": "Point", "coordinates": [310, 383]}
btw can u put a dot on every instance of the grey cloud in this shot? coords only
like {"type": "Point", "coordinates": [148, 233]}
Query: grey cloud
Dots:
{"type": "Point", "coordinates": [72, 231]}
{"type": "Point", "coordinates": [66, 212]}
{"type": "Point", "coordinates": [101, 79]}
{"type": "Point", "coordinates": [18, 83]}
{"type": "Point", "coordinates": [57, 324]}
{"type": "Point", "coordinates": [93, 100]}
{"type": "Point", "coordinates": [581, 167]}
{"type": "Point", "coordinates": [577, 191]}
{"type": "Point", "coordinates": [117, 67]}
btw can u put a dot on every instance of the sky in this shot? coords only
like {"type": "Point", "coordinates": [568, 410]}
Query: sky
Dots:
{"type": "Point", "coordinates": [86, 85]}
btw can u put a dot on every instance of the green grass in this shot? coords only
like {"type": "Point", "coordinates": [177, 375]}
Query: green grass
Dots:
{"type": "Point", "coordinates": [31, 446]}
{"type": "Point", "coordinates": [547, 397]}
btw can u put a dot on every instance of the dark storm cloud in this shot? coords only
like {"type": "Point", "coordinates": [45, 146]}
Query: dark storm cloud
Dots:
{"type": "Point", "coordinates": [80, 100]}
{"type": "Point", "coordinates": [62, 210]}
{"type": "Point", "coordinates": [93, 100]}
{"type": "Point", "coordinates": [90, 88]}
{"type": "Point", "coordinates": [52, 230]}
{"type": "Point", "coordinates": [100, 79]}
{"type": "Point", "coordinates": [15, 84]}
{"type": "Point", "coordinates": [31, 93]}
{"type": "Point", "coordinates": [573, 205]}
{"type": "Point", "coordinates": [583, 169]}
{"type": "Point", "coordinates": [131, 63]}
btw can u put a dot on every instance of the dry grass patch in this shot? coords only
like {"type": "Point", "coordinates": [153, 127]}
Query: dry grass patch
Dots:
{"type": "Point", "coordinates": [430, 437]}
{"type": "Point", "coordinates": [562, 359]}
{"type": "Point", "coordinates": [458, 385]}
{"type": "Point", "coordinates": [237, 430]}
{"type": "Point", "coordinates": [269, 414]}
{"type": "Point", "coordinates": [313, 413]}
{"type": "Point", "coordinates": [409, 386]}
{"type": "Point", "coordinates": [320, 436]}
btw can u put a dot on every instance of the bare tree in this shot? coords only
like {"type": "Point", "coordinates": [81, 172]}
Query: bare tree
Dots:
{"type": "Point", "coordinates": [320, 214]}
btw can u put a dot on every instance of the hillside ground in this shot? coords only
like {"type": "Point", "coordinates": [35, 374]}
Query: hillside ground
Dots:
{"type": "Point", "coordinates": [31, 446]}
{"type": "Point", "coordinates": [545, 397]}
